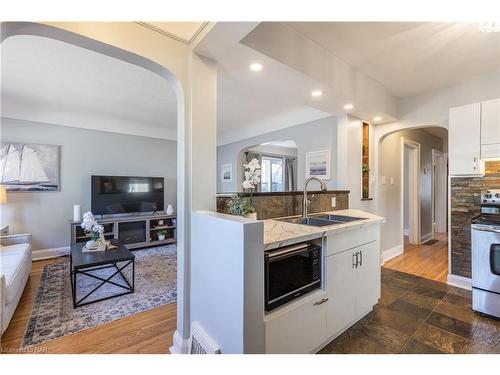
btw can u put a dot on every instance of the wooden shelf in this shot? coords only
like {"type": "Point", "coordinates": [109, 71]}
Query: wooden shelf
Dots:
{"type": "Point", "coordinates": [117, 225]}
{"type": "Point", "coordinates": [163, 227]}
{"type": "Point", "coordinates": [162, 242]}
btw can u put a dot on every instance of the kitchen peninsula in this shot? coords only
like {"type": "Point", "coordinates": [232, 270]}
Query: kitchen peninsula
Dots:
{"type": "Point", "coordinates": [240, 265]}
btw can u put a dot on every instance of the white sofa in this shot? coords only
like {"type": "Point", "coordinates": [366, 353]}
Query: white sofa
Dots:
{"type": "Point", "coordinates": [15, 268]}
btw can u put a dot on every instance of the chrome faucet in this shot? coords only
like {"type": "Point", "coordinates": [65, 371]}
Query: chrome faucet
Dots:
{"type": "Point", "coordinates": [304, 201]}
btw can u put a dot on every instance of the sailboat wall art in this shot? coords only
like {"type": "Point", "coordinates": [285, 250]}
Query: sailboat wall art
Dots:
{"type": "Point", "coordinates": [29, 167]}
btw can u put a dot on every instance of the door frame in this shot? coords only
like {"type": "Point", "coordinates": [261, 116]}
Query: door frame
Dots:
{"type": "Point", "coordinates": [414, 190]}
{"type": "Point", "coordinates": [438, 154]}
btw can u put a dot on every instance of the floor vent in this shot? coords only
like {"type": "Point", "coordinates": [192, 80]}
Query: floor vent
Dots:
{"type": "Point", "coordinates": [200, 342]}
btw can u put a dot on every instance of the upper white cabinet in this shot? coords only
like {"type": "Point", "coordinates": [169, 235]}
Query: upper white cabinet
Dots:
{"type": "Point", "coordinates": [465, 141]}
{"type": "Point", "coordinates": [490, 129]}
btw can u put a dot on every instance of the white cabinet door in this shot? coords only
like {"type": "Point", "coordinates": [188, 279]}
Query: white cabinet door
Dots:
{"type": "Point", "coordinates": [465, 140]}
{"type": "Point", "coordinates": [490, 129]}
{"type": "Point", "coordinates": [342, 289]}
{"type": "Point", "coordinates": [298, 330]}
{"type": "Point", "coordinates": [367, 278]}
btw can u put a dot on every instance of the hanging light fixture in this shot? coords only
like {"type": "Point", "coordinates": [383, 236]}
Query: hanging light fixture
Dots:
{"type": "Point", "coordinates": [489, 27]}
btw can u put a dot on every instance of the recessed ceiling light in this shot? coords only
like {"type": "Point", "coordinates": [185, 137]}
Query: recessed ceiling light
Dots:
{"type": "Point", "coordinates": [377, 118]}
{"type": "Point", "coordinates": [348, 106]}
{"type": "Point", "coordinates": [256, 67]}
{"type": "Point", "coordinates": [316, 93]}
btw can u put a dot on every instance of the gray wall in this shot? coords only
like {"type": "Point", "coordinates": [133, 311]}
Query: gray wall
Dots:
{"type": "Point", "coordinates": [390, 195]}
{"type": "Point", "coordinates": [312, 136]}
{"type": "Point", "coordinates": [83, 153]}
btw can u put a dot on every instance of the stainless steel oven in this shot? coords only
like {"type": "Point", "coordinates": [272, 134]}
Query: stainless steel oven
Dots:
{"type": "Point", "coordinates": [291, 272]}
{"type": "Point", "coordinates": [486, 256]}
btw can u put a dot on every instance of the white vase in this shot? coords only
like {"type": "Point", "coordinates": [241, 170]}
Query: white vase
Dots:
{"type": "Point", "coordinates": [90, 244]}
{"type": "Point", "coordinates": [161, 237]}
{"type": "Point", "coordinates": [252, 216]}
{"type": "Point", "coordinates": [170, 209]}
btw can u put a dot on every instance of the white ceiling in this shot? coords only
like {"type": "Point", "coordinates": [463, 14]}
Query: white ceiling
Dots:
{"type": "Point", "coordinates": [245, 111]}
{"type": "Point", "coordinates": [184, 32]}
{"type": "Point", "coordinates": [50, 81]}
{"type": "Point", "coordinates": [409, 57]}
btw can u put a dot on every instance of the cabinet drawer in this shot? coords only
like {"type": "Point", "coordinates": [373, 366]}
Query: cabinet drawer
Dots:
{"type": "Point", "coordinates": [301, 329]}
{"type": "Point", "coordinates": [342, 241]}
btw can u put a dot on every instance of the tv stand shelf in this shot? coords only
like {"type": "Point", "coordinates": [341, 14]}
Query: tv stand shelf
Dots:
{"type": "Point", "coordinates": [134, 231]}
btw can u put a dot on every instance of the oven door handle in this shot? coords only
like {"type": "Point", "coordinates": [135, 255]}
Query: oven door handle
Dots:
{"type": "Point", "coordinates": [487, 230]}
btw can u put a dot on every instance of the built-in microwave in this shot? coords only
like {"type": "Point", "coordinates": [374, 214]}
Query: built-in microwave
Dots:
{"type": "Point", "coordinates": [291, 272]}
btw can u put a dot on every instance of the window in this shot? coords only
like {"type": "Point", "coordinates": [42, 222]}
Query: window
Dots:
{"type": "Point", "coordinates": [272, 174]}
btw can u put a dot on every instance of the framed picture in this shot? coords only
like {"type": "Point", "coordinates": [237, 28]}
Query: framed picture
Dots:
{"type": "Point", "coordinates": [318, 164]}
{"type": "Point", "coordinates": [226, 173]}
{"type": "Point", "coordinates": [29, 167]}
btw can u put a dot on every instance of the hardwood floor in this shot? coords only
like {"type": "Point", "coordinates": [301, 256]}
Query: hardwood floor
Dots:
{"type": "Point", "coordinates": [147, 332]}
{"type": "Point", "coordinates": [428, 261]}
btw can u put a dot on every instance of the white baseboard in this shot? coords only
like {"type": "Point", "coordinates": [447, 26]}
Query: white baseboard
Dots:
{"type": "Point", "coordinates": [460, 281]}
{"type": "Point", "coordinates": [180, 345]}
{"type": "Point", "coordinates": [50, 253]}
{"type": "Point", "coordinates": [427, 237]}
{"type": "Point", "coordinates": [392, 253]}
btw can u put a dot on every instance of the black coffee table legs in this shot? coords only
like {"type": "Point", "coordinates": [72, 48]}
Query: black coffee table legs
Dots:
{"type": "Point", "coordinates": [128, 287]}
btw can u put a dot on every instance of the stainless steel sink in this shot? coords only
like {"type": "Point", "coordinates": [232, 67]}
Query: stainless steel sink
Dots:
{"type": "Point", "coordinates": [316, 222]}
{"type": "Point", "coordinates": [336, 218]}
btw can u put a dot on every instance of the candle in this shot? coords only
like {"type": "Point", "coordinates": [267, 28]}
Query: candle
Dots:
{"type": "Point", "coordinates": [77, 212]}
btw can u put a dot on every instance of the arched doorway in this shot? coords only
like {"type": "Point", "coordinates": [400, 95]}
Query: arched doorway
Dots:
{"type": "Point", "coordinates": [411, 189]}
{"type": "Point", "coordinates": [172, 69]}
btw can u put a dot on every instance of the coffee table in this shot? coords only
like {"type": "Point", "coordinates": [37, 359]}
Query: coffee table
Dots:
{"type": "Point", "coordinates": [84, 263]}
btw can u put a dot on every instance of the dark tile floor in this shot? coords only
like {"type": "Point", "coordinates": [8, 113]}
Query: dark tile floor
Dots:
{"type": "Point", "coordinates": [419, 316]}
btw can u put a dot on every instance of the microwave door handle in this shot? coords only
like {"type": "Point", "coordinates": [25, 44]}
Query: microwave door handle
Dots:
{"type": "Point", "coordinates": [282, 253]}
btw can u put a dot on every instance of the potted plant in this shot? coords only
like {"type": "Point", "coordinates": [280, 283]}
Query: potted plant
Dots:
{"type": "Point", "coordinates": [252, 180]}
{"type": "Point", "coordinates": [161, 234]}
{"type": "Point", "coordinates": [240, 207]}
{"type": "Point", "coordinates": [93, 229]}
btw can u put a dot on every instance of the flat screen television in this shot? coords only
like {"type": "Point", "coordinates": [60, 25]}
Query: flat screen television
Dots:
{"type": "Point", "coordinates": [119, 194]}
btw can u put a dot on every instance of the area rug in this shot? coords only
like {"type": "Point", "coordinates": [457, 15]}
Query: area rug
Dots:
{"type": "Point", "coordinates": [430, 242]}
{"type": "Point", "coordinates": [53, 315]}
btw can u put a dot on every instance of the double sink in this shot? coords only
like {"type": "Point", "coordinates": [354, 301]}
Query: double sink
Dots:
{"type": "Point", "coordinates": [321, 220]}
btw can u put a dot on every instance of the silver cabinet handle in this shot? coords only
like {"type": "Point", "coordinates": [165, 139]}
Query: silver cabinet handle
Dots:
{"type": "Point", "coordinates": [475, 158]}
{"type": "Point", "coordinates": [355, 260]}
{"type": "Point", "coordinates": [360, 258]}
{"type": "Point", "coordinates": [320, 302]}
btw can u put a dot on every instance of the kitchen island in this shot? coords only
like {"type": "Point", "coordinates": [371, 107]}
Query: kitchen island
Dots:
{"type": "Point", "coordinates": [229, 281]}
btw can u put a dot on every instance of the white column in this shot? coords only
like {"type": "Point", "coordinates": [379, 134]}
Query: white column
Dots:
{"type": "Point", "coordinates": [197, 173]}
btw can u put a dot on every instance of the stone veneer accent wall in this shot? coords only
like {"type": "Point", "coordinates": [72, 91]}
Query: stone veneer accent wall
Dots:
{"type": "Point", "coordinates": [269, 205]}
{"type": "Point", "coordinates": [465, 204]}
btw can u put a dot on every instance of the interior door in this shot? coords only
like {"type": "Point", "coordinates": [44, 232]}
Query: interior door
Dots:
{"type": "Point", "coordinates": [341, 287]}
{"type": "Point", "coordinates": [368, 278]}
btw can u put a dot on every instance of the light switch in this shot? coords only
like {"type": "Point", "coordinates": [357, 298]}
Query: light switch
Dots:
{"type": "Point", "coordinates": [383, 180]}
{"type": "Point", "coordinates": [392, 180]}
{"type": "Point", "coordinates": [334, 202]}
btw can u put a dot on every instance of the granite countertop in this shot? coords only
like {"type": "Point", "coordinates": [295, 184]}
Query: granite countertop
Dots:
{"type": "Point", "coordinates": [279, 233]}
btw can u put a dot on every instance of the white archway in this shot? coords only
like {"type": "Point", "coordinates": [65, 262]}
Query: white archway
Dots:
{"type": "Point", "coordinates": [381, 133]}
{"type": "Point", "coordinates": [193, 79]}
